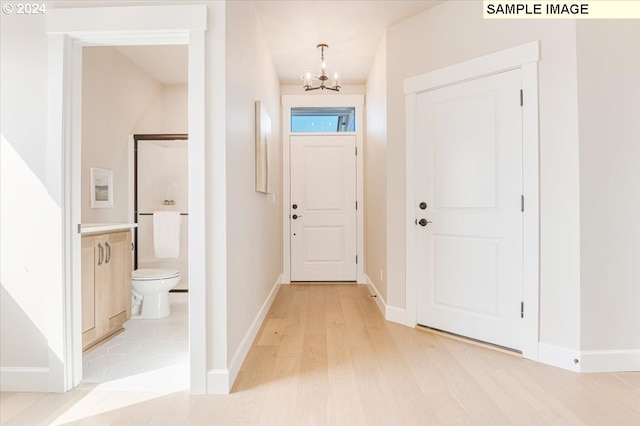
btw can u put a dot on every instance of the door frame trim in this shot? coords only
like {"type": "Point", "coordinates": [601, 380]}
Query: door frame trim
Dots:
{"type": "Point", "coordinates": [293, 101]}
{"type": "Point", "coordinates": [69, 30]}
{"type": "Point", "coordinates": [524, 57]}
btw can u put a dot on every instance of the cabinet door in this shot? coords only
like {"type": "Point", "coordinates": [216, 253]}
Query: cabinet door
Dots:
{"type": "Point", "coordinates": [91, 302]}
{"type": "Point", "coordinates": [117, 280]}
{"type": "Point", "coordinates": [88, 291]}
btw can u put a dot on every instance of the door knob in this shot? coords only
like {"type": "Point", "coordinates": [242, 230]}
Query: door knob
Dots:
{"type": "Point", "coordinates": [423, 222]}
{"type": "Point", "coordinates": [423, 205]}
{"type": "Point", "coordinates": [295, 216]}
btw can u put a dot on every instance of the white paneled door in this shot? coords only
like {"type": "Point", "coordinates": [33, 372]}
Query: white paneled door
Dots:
{"type": "Point", "coordinates": [323, 207]}
{"type": "Point", "coordinates": [468, 208]}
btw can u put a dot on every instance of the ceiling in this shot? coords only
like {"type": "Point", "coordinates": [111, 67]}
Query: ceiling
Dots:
{"type": "Point", "coordinates": [352, 29]}
{"type": "Point", "coordinates": [167, 64]}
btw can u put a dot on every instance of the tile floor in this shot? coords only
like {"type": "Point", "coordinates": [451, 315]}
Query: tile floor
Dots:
{"type": "Point", "coordinates": [149, 354]}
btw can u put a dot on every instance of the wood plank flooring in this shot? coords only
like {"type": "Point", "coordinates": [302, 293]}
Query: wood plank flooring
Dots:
{"type": "Point", "coordinates": [325, 356]}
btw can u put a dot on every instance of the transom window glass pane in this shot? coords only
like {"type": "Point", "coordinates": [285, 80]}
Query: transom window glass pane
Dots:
{"type": "Point", "coordinates": [326, 120]}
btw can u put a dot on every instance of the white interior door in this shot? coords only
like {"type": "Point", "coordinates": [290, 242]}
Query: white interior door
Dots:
{"type": "Point", "coordinates": [323, 207]}
{"type": "Point", "coordinates": [469, 175]}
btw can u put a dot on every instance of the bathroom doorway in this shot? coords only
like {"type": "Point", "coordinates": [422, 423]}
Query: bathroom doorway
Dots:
{"type": "Point", "coordinates": [137, 94]}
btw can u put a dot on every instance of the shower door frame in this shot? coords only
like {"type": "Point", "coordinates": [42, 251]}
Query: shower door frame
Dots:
{"type": "Point", "coordinates": [136, 139]}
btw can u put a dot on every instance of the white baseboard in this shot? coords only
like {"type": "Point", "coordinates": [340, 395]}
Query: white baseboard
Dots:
{"type": "Point", "coordinates": [249, 337]}
{"type": "Point", "coordinates": [397, 315]}
{"type": "Point", "coordinates": [611, 360]}
{"type": "Point", "coordinates": [25, 379]}
{"type": "Point", "coordinates": [559, 356]}
{"type": "Point", "coordinates": [218, 382]}
{"type": "Point", "coordinates": [390, 313]}
{"type": "Point", "coordinates": [380, 302]}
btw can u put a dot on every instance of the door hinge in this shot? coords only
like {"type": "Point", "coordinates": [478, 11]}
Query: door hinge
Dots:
{"type": "Point", "coordinates": [356, 259]}
{"type": "Point", "coordinates": [356, 151]}
{"type": "Point", "coordinates": [521, 97]}
{"type": "Point", "coordinates": [356, 205]}
{"type": "Point", "coordinates": [521, 309]}
{"type": "Point", "coordinates": [79, 228]}
{"type": "Point", "coordinates": [522, 203]}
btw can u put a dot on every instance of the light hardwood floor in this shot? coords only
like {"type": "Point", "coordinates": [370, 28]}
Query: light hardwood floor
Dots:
{"type": "Point", "coordinates": [325, 355]}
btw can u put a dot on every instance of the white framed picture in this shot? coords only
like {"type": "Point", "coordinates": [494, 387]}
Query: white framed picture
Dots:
{"type": "Point", "coordinates": [101, 188]}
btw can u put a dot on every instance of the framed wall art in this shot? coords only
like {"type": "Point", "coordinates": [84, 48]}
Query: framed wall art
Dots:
{"type": "Point", "coordinates": [101, 188]}
{"type": "Point", "coordinates": [263, 135]}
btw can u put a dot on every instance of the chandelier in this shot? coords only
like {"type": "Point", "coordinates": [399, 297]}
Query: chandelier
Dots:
{"type": "Point", "coordinates": [335, 84]}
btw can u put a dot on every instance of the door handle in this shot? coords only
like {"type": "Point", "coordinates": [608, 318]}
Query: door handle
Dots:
{"type": "Point", "coordinates": [108, 252]}
{"type": "Point", "coordinates": [100, 254]}
{"type": "Point", "coordinates": [295, 216]}
{"type": "Point", "coordinates": [423, 222]}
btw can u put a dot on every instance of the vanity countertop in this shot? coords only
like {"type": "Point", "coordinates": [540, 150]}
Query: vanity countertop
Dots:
{"type": "Point", "coordinates": [92, 228]}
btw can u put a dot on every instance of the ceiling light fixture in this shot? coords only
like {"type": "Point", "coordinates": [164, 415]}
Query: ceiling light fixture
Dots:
{"type": "Point", "coordinates": [335, 84]}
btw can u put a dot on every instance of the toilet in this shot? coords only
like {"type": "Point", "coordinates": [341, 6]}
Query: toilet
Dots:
{"type": "Point", "coordinates": [153, 286]}
{"type": "Point", "coordinates": [150, 286]}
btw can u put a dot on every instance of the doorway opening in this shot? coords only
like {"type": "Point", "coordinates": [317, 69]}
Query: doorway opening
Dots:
{"type": "Point", "coordinates": [323, 175]}
{"type": "Point", "coordinates": [145, 88]}
{"type": "Point", "coordinates": [70, 30]}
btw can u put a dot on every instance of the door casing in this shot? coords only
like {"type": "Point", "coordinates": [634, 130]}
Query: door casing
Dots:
{"type": "Point", "coordinates": [526, 58]}
{"type": "Point", "coordinates": [293, 101]}
{"type": "Point", "coordinates": [69, 30]}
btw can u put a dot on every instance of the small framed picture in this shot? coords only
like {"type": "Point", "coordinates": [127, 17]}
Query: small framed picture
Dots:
{"type": "Point", "coordinates": [101, 188]}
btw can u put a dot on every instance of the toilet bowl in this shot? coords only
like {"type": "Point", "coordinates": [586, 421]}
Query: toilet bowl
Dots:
{"type": "Point", "coordinates": [154, 285]}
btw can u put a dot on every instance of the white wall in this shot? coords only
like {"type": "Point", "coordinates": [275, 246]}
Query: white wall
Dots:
{"type": "Point", "coordinates": [167, 113]}
{"type": "Point", "coordinates": [24, 58]}
{"type": "Point", "coordinates": [609, 95]}
{"type": "Point", "coordinates": [254, 242]}
{"type": "Point", "coordinates": [118, 100]}
{"type": "Point", "coordinates": [115, 95]}
{"type": "Point", "coordinates": [454, 32]}
{"type": "Point", "coordinates": [375, 176]}
{"type": "Point", "coordinates": [31, 213]}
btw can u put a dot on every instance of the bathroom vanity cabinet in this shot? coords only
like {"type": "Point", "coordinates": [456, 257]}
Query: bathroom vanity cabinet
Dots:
{"type": "Point", "coordinates": [106, 285]}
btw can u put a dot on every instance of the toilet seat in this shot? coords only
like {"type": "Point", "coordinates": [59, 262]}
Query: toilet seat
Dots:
{"type": "Point", "coordinates": [153, 274]}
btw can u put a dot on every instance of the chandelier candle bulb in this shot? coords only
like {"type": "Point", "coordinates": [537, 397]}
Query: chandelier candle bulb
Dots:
{"type": "Point", "coordinates": [323, 75]}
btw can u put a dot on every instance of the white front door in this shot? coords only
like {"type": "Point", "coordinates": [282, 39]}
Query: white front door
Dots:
{"type": "Point", "coordinates": [323, 208]}
{"type": "Point", "coordinates": [469, 177]}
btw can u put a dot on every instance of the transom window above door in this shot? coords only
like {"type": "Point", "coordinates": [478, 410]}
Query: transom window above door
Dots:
{"type": "Point", "coordinates": [323, 120]}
